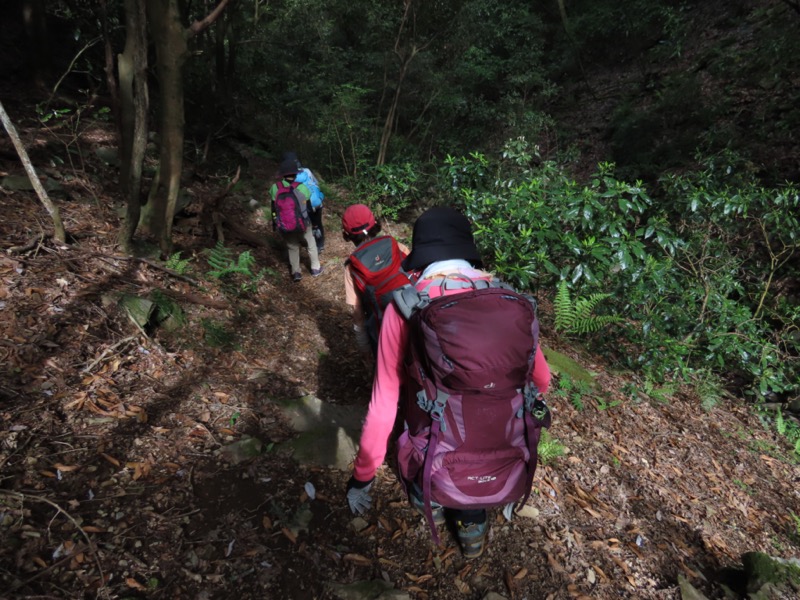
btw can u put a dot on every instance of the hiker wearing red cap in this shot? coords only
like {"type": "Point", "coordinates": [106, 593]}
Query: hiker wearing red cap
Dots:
{"type": "Point", "coordinates": [469, 374]}
{"type": "Point", "coordinates": [371, 274]}
{"type": "Point", "coordinates": [290, 217]}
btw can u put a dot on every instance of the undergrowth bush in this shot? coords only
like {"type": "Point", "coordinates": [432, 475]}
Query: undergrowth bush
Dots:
{"type": "Point", "coordinates": [389, 189]}
{"type": "Point", "coordinates": [702, 277]}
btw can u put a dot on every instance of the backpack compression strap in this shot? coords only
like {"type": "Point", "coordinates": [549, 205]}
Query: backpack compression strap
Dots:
{"type": "Point", "coordinates": [536, 415]}
{"type": "Point", "coordinates": [408, 299]}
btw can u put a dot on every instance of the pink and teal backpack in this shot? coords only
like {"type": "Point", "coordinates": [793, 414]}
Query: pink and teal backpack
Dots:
{"type": "Point", "coordinates": [291, 214]}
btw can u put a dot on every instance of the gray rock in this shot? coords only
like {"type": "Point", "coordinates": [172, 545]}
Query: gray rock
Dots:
{"type": "Point", "coordinates": [376, 589]}
{"type": "Point", "coordinates": [688, 591]}
{"type": "Point", "coordinates": [328, 433]}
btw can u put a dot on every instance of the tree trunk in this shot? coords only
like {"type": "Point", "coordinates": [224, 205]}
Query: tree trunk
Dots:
{"type": "Point", "coordinates": [219, 56]}
{"type": "Point", "coordinates": [108, 67]}
{"type": "Point", "coordinates": [134, 105]}
{"type": "Point", "coordinates": [405, 57]}
{"type": "Point", "coordinates": [171, 51]}
{"type": "Point", "coordinates": [59, 233]}
{"type": "Point", "coordinates": [388, 124]}
{"type": "Point", "coordinates": [170, 38]}
{"type": "Point", "coordinates": [35, 18]}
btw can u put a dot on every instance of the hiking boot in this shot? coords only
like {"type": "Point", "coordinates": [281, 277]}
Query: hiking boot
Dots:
{"type": "Point", "coordinates": [296, 277]}
{"type": "Point", "coordinates": [436, 509]}
{"type": "Point", "coordinates": [472, 537]}
{"type": "Point", "coordinates": [316, 272]}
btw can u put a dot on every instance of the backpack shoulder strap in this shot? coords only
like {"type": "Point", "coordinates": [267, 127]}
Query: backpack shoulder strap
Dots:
{"type": "Point", "coordinates": [408, 300]}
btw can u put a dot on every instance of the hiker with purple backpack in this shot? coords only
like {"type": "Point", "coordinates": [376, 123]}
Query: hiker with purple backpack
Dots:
{"type": "Point", "coordinates": [290, 217]}
{"type": "Point", "coordinates": [470, 375]}
{"type": "Point", "coordinates": [371, 273]}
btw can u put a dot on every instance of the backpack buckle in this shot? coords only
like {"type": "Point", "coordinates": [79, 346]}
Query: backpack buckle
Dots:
{"type": "Point", "coordinates": [423, 402]}
{"type": "Point", "coordinates": [534, 402]}
{"type": "Point", "coordinates": [437, 410]}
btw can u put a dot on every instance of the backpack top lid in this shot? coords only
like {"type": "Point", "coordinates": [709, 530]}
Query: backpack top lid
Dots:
{"type": "Point", "coordinates": [441, 233]}
{"type": "Point", "coordinates": [480, 340]}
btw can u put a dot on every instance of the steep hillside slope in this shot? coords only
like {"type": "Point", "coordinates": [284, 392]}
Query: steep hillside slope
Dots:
{"type": "Point", "coordinates": [118, 476]}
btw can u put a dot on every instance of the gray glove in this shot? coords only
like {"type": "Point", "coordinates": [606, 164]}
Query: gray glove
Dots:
{"type": "Point", "coordinates": [358, 495]}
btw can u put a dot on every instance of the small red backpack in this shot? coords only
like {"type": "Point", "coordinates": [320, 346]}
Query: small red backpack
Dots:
{"type": "Point", "coordinates": [377, 272]}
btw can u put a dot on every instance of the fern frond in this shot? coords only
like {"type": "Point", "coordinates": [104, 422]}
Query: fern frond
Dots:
{"type": "Point", "coordinates": [780, 422]}
{"type": "Point", "coordinates": [593, 323]}
{"type": "Point", "coordinates": [219, 259]}
{"type": "Point", "coordinates": [549, 448]}
{"type": "Point", "coordinates": [575, 316]}
{"type": "Point", "coordinates": [175, 263]}
{"type": "Point", "coordinates": [565, 311]}
{"type": "Point", "coordinates": [245, 261]}
{"type": "Point", "coordinates": [585, 306]}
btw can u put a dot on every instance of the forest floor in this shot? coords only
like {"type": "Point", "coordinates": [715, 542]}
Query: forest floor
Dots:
{"type": "Point", "coordinates": [115, 480]}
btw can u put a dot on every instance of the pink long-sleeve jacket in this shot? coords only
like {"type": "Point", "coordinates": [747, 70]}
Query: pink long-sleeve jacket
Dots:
{"type": "Point", "coordinates": [389, 374]}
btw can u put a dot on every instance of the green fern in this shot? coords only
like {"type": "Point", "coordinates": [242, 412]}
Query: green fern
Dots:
{"type": "Point", "coordinates": [780, 422]}
{"type": "Point", "coordinates": [178, 264]}
{"type": "Point", "coordinates": [575, 316]}
{"type": "Point", "coordinates": [549, 448]}
{"type": "Point", "coordinates": [167, 308]}
{"type": "Point", "coordinates": [222, 264]}
{"type": "Point", "coordinates": [660, 393]}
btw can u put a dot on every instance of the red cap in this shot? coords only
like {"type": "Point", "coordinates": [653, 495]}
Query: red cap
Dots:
{"type": "Point", "coordinates": [358, 218]}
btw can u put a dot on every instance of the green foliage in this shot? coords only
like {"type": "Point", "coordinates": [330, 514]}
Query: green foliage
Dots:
{"type": "Point", "coordinates": [178, 264]}
{"type": "Point", "coordinates": [217, 335]}
{"type": "Point", "coordinates": [388, 189]}
{"type": "Point", "coordinates": [575, 316]}
{"type": "Point", "coordinates": [787, 428]}
{"type": "Point", "coordinates": [708, 387]}
{"type": "Point", "coordinates": [780, 423]}
{"type": "Point", "coordinates": [660, 393]}
{"type": "Point", "coordinates": [574, 390]}
{"type": "Point", "coordinates": [237, 271]}
{"type": "Point", "coordinates": [549, 448]}
{"type": "Point", "coordinates": [46, 114]}
{"type": "Point", "coordinates": [796, 519]}
{"type": "Point", "coordinates": [222, 263]}
{"type": "Point", "coordinates": [167, 308]}
{"type": "Point", "coordinates": [602, 404]}
{"type": "Point", "coordinates": [692, 300]}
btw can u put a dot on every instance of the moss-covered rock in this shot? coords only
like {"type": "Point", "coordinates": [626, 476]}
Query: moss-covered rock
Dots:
{"type": "Point", "coordinates": [770, 578]}
{"type": "Point", "coordinates": [560, 363]}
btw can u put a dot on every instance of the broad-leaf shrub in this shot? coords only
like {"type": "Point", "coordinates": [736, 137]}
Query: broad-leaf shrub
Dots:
{"type": "Point", "coordinates": [703, 276]}
{"type": "Point", "coordinates": [389, 189]}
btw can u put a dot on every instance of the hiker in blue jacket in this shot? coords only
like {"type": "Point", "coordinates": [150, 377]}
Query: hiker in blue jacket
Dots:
{"type": "Point", "coordinates": [306, 177]}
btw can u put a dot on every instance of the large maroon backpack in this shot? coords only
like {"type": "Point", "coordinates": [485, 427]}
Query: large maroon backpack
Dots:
{"type": "Point", "coordinates": [473, 415]}
{"type": "Point", "coordinates": [291, 215]}
{"type": "Point", "coordinates": [377, 273]}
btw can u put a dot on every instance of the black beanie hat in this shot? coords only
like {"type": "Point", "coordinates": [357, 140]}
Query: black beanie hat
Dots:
{"type": "Point", "coordinates": [288, 167]}
{"type": "Point", "coordinates": [441, 233]}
